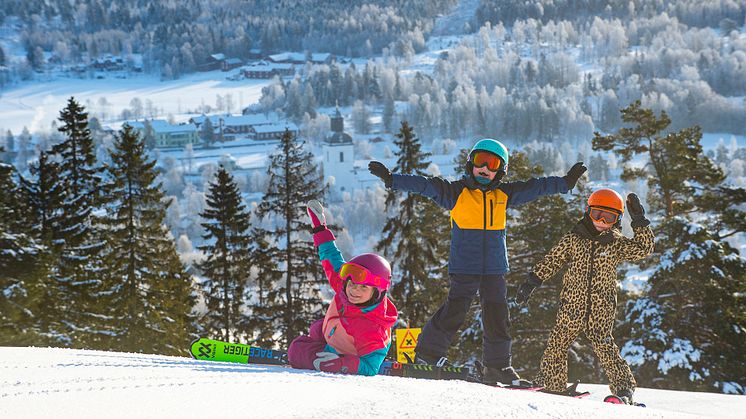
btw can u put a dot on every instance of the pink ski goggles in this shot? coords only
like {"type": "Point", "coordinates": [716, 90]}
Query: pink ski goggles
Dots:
{"type": "Point", "coordinates": [360, 275]}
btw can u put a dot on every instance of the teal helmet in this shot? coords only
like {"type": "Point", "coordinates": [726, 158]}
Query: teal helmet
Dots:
{"type": "Point", "coordinates": [495, 147]}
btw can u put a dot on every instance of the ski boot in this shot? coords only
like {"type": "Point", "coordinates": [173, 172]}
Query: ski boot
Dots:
{"type": "Point", "coordinates": [622, 397]}
{"type": "Point", "coordinates": [436, 361]}
{"type": "Point", "coordinates": [505, 377]}
{"type": "Point", "coordinates": [571, 391]}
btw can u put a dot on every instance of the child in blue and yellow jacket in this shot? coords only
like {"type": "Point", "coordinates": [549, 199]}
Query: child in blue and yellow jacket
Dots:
{"type": "Point", "coordinates": [479, 258]}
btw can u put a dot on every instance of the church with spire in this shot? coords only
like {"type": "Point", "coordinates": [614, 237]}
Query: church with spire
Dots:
{"type": "Point", "coordinates": [338, 160]}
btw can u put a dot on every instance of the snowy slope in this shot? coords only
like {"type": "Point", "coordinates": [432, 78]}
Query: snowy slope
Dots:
{"type": "Point", "coordinates": [54, 383]}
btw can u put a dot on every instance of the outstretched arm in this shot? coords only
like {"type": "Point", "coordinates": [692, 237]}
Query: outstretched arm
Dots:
{"type": "Point", "coordinates": [522, 192]}
{"type": "Point", "coordinates": [443, 192]}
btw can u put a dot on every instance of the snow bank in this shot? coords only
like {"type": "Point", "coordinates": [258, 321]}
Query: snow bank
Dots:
{"type": "Point", "coordinates": [50, 382]}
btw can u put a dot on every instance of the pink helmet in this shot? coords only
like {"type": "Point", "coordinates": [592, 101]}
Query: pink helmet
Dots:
{"type": "Point", "coordinates": [378, 271]}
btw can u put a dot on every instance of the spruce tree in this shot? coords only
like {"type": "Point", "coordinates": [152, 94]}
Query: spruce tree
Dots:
{"type": "Point", "coordinates": [687, 332]}
{"type": "Point", "coordinates": [18, 255]}
{"type": "Point", "coordinates": [207, 133]}
{"type": "Point", "coordinates": [147, 291]}
{"type": "Point", "coordinates": [228, 259]}
{"type": "Point", "coordinates": [677, 171]}
{"type": "Point", "coordinates": [389, 110]}
{"type": "Point", "coordinates": [43, 195]}
{"type": "Point", "coordinates": [415, 239]}
{"type": "Point", "coordinates": [266, 313]}
{"type": "Point", "coordinates": [294, 180]}
{"type": "Point", "coordinates": [77, 265]}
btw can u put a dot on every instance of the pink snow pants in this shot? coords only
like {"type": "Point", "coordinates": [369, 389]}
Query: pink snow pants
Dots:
{"type": "Point", "coordinates": [302, 350]}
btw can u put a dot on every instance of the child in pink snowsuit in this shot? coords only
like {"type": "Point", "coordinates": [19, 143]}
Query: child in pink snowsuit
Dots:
{"type": "Point", "coordinates": [355, 334]}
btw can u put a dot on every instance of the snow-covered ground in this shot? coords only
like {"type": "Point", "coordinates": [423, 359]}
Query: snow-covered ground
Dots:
{"type": "Point", "coordinates": [36, 104]}
{"type": "Point", "coordinates": [67, 383]}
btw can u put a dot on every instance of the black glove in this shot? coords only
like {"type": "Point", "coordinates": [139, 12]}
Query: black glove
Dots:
{"type": "Point", "coordinates": [378, 169]}
{"type": "Point", "coordinates": [636, 211]}
{"type": "Point", "coordinates": [575, 172]}
{"type": "Point", "coordinates": [526, 289]}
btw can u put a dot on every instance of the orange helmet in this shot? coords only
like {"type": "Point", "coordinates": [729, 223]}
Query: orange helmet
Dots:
{"type": "Point", "coordinates": [607, 198]}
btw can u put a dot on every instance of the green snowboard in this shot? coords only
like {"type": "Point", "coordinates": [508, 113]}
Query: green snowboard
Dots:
{"type": "Point", "coordinates": [216, 350]}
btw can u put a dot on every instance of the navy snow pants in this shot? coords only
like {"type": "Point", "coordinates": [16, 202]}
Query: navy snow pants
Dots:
{"type": "Point", "coordinates": [439, 331]}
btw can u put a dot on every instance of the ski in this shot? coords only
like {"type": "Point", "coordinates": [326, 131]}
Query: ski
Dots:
{"type": "Point", "coordinates": [618, 400]}
{"type": "Point", "coordinates": [431, 372]}
{"type": "Point", "coordinates": [216, 350]}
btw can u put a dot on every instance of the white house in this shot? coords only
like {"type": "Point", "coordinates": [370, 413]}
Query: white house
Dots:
{"type": "Point", "coordinates": [234, 124]}
{"type": "Point", "coordinates": [167, 135]}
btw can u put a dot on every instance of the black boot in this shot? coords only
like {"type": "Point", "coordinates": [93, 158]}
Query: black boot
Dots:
{"type": "Point", "coordinates": [503, 376]}
{"type": "Point", "coordinates": [625, 396]}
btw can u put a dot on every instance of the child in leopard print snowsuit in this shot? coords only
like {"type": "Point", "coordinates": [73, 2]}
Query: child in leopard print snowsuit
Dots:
{"type": "Point", "coordinates": [592, 251]}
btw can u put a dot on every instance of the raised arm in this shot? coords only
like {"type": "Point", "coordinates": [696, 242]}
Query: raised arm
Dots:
{"type": "Point", "coordinates": [330, 256]}
{"type": "Point", "coordinates": [642, 243]}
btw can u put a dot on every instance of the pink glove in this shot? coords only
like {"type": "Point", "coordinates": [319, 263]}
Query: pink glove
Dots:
{"type": "Point", "coordinates": [331, 362]}
{"type": "Point", "coordinates": [321, 234]}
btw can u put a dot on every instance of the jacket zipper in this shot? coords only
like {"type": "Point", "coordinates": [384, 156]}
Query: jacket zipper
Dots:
{"type": "Point", "coordinates": [484, 233]}
{"type": "Point", "coordinates": [590, 283]}
{"type": "Point", "coordinates": [492, 213]}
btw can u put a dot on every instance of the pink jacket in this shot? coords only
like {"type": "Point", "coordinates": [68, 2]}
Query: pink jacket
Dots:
{"type": "Point", "coordinates": [353, 330]}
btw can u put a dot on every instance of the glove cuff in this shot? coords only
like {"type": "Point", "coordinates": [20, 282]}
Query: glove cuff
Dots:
{"type": "Point", "coordinates": [323, 236]}
{"type": "Point", "coordinates": [640, 222]}
{"type": "Point", "coordinates": [389, 181]}
{"type": "Point", "coordinates": [570, 181]}
{"type": "Point", "coordinates": [534, 280]}
{"type": "Point", "coordinates": [343, 365]}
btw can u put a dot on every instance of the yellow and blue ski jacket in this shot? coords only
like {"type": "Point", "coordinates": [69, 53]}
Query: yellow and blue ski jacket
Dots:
{"type": "Point", "coordinates": [478, 215]}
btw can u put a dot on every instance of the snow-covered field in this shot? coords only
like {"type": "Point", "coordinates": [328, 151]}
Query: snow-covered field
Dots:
{"type": "Point", "coordinates": [36, 104]}
{"type": "Point", "coordinates": [67, 383]}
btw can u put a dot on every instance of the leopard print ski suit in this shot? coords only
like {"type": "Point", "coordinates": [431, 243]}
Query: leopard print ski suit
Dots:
{"type": "Point", "coordinates": [588, 299]}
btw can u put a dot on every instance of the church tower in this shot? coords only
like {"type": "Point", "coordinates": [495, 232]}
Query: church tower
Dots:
{"type": "Point", "coordinates": [338, 155]}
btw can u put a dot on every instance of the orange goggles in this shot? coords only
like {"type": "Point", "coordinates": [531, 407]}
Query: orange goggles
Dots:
{"type": "Point", "coordinates": [360, 275]}
{"type": "Point", "coordinates": [484, 158]}
{"type": "Point", "coordinates": [603, 216]}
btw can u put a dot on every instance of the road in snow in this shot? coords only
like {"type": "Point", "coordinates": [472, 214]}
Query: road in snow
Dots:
{"type": "Point", "coordinates": [54, 383]}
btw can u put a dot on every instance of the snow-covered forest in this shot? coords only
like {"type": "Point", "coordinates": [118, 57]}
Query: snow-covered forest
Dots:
{"type": "Point", "coordinates": [109, 243]}
{"type": "Point", "coordinates": [545, 80]}
{"type": "Point", "coordinates": [177, 37]}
